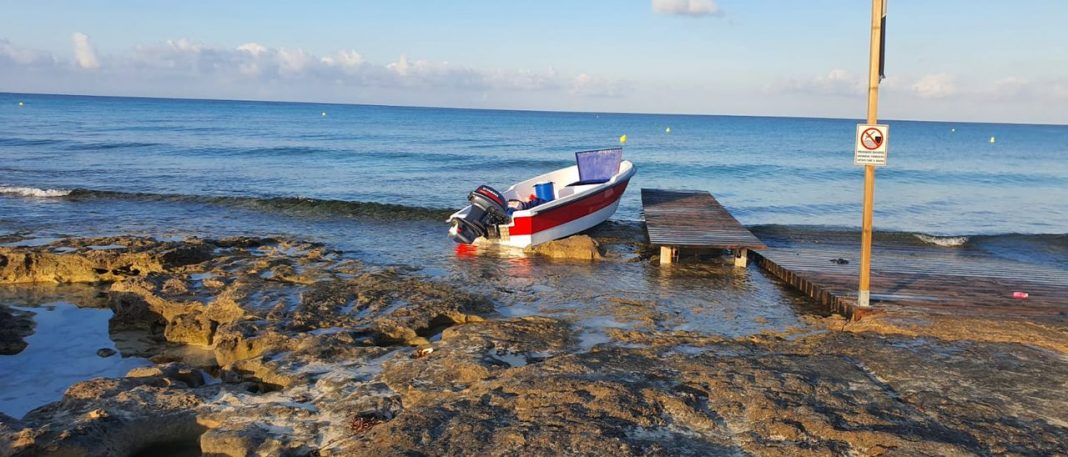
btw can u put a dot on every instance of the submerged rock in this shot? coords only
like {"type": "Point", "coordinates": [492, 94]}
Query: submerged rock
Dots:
{"type": "Point", "coordinates": [577, 247]}
{"type": "Point", "coordinates": [14, 326]}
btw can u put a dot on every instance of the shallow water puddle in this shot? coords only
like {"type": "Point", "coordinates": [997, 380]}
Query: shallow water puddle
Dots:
{"type": "Point", "coordinates": [61, 352]}
{"type": "Point", "coordinates": [512, 359]}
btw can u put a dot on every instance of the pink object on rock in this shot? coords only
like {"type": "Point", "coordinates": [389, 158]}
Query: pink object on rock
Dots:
{"type": "Point", "coordinates": [1020, 295]}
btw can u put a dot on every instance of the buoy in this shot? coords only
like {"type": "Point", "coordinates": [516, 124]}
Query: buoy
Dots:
{"type": "Point", "coordinates": [324, 113]}
{"type": "Point", "coordinates": [667, 130]}
{"type": "Point", "coordinates": [623, 139]}
{"type": "Point", "coordinates": [21, 104]}
{"type": "Point", "coordinates": [952, 130]}
{"type": "Point", "coordinates": [1020, 295]}
{"type": "Point", "coordinates": [992, 140]}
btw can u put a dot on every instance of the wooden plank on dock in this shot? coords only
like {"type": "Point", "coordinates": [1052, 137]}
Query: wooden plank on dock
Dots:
{"type": "Point", "coordinates": [923, 279]}
{"type": "Point", "coordinates": [693, 219]}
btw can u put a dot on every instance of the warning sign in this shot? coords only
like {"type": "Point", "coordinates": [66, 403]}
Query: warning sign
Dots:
{"type": "Point", "coordinates": [871, 145]}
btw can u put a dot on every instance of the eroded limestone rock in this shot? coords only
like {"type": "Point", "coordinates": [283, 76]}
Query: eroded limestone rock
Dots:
{"type": "Point", "coordinates": [113, 417]}
{"type": "Point", "coordinates": [832, 394]}
{"type": "Point", "coordinates": [314, 354]}
{"type": "Point", "coordinates": [85, 261]}
{"type": "Point", "coordinates": [577, 247]}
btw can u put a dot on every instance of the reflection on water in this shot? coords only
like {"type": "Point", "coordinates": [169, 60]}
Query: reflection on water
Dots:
{"type": "Point", "coordinates": [710, 296]}
{"type": "Point", "coordinates": [62, 351]}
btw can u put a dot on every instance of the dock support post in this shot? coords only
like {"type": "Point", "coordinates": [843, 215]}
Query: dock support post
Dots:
{"type": "Point", "coordinates": [667, 254]}
{"type": "Point", "coordinates": [741, 257]}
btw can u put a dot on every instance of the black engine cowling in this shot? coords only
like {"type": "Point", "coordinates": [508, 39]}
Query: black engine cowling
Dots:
{"type": "Point", "coordinates": [488, 209]}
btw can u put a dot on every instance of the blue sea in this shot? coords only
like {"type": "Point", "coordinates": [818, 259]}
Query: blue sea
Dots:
{"type": "Point", "coordinates": [943, 178]}
{"type": "Point", "coordinates": [378, 182]}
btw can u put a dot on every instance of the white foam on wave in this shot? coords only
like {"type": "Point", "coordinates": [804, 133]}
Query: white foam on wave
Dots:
{"type": "Point", "coordinates": [944, 241]}
{"type": "Point", "coordinates": [33, 192]}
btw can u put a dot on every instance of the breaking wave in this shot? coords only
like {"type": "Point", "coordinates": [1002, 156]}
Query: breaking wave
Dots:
{"type": "Point", "coordinates": [944, 241]}
{"type": "Point", "coordinates": [34, 192]}
{"type": "Point", "coordinates": [289, 205]}
{"type": "Point", "coordinates": [778, 234]}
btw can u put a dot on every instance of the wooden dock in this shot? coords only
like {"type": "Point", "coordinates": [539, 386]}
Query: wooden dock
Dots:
{"type": "Point", "coordinates": [906, 277]}
{"type": "Point", "coordinates": [677, 219]}
{"type": "Point", "coordinates": [925, 279]}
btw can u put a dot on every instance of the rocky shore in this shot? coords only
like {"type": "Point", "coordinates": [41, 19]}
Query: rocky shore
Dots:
{"type": "Point", "coordinates": [307, 352]}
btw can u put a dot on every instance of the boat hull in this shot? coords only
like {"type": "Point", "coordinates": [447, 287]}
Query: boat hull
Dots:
{"type": "Point", "coordinates": [577, 205]}
{"type": "Point", "coordinates": [564, 220]}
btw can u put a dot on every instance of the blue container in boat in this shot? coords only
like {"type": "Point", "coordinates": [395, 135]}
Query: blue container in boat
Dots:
{"type": "Point", "coordinates": [544, 191]}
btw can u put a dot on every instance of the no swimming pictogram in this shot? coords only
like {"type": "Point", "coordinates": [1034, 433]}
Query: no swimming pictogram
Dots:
{"type": "Point", "coordinates": [871, 139]}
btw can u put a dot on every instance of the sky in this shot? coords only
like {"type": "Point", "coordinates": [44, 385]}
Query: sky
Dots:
{"type": "Point", "coordinates": [951, 60]}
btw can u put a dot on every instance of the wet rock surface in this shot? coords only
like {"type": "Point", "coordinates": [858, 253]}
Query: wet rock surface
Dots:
{"type": "Point", "coordinates": [311, 353]}
{"type": "Point", "coordinates": [577, 247]}
{"type": "Point", "coordinates": [114, 417]}
{"type": "Point", "coordinates": [834, 394]}
{"type": "Point", "coordinates": [99, 260]}
{"type": "Point", "coordinates": [15, 325]}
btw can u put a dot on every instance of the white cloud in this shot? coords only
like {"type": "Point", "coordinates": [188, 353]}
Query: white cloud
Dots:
{"type": "Point", "coordinates": [1059, 90]}
{"type": "Point", "coordinates": [292, 61]}
{"type": "Point", "coordinates": [939, 85]}
{"type": "Point", "coordinates": [424, 73]}
{"type": "Point", "coordinates": [84, 55]}
{"type": "Point", "coordinates": [399, 67]}
{"type": "Point", "coordinates": [348, 59]}
{"type": "Point", "coordinates": [254, 64]}
{"type": "Point", "coordinates": [687, 7]}
{"type": "Point", "coordinates": [935, 88]}
{"type": "Point", "coordinates": [1014, 89]}
{"type": "Point", "coordinates": [185, 45]}
{"type": "Point", "coordinates": [22, 56]}
{"type": "Point", "coordinates": [247, 55]}
{"type": "Point", "coordinates": [1009, 88]}
{"type": "Point", "coordinates": [525, 80]}
{"type": "Point", "coordinates": [253, 48]}
{"type": "Point", "coordinates": [837, 82]}
{"type": "Point", "coordinates": [184, 67]}
{"type": "Point", "coordinates": [584, 84]}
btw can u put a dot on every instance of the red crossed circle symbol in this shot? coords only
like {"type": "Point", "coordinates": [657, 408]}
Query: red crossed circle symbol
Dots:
{"type": "Point", "coordinates": [871, 138]}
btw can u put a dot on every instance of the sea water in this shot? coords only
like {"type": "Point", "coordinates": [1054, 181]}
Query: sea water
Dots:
{"type": "Point", "coordinates": [378, 183]}
{"type": "Point", "coordinates": [61, 351]}
{"type": "Point", "coordinates": [943, 178]}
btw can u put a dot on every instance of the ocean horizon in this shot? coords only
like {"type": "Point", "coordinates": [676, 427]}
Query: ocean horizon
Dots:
{"type": "Point", "coordinates": [517, 110]}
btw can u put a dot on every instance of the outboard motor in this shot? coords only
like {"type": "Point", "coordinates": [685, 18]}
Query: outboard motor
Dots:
{"type": "Point", "coordinates": [487, 210]}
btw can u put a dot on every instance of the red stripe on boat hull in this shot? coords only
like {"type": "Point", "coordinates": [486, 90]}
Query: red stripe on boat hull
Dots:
{"type": "Point", "coordinates": [568, 212]}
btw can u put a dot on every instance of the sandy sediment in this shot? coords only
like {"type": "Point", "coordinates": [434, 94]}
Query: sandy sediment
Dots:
{"type": "Point", "coordinates": [315, 354]}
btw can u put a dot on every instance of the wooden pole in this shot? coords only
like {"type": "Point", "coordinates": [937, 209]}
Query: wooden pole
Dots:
{"type": "Point", "coordinates": [864, 294]}
{"type": "Point", "coordinates": [667, 255]}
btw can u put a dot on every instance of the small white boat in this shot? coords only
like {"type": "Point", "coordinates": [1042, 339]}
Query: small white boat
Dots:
{"type": "Point", "coordinates": [582, 196]}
